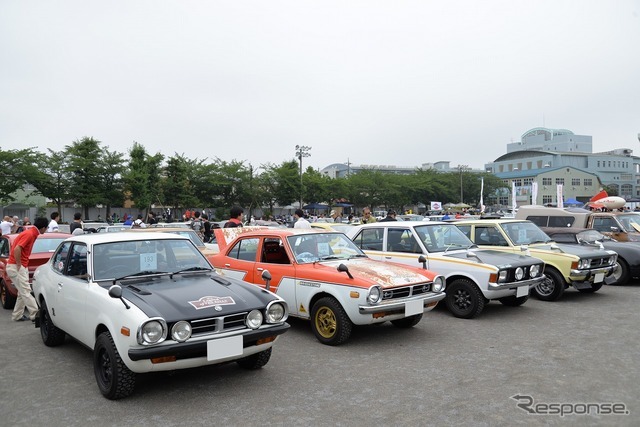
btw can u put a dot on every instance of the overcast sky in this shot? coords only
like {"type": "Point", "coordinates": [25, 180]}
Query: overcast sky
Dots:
{"type": "Point", "coordinates": [371, 82]}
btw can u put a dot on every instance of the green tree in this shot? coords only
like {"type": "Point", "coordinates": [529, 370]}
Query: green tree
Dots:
{"type": "Point", "coordinates": [85, 165]}
{"type": "Point", "coordinates": [53, 178]}
{"type": "Point", "coordinates": [17, 170]}
{"type": "Point", "coordinates": [176, 184]}
{"type": "Point", "coordinates": [112, 186]}
{"type": "Point", "coordinates": [142, 177]}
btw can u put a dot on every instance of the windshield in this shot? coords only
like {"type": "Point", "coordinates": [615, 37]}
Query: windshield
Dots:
{"type": "Point", "coordinates": [442, 237]}
{"type": "Point", "coordinates": [630, 222]}
{"type": "Point", "coordinates": [323, 247]}
{"type": "Point", "coordinates": [525, 233]}
{"type": "Point", "coordinates": [590, 236]}
{"type": "Point", "coordinates": [121, 259]}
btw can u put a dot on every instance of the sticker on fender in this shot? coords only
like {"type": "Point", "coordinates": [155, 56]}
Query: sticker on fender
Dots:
{"type": "Point", "coordinates": [224, 347]}
{"type": "Point", "coordinates": [411, 308]}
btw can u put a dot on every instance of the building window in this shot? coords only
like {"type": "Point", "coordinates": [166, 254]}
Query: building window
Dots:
{"type": "Point", "coordinates": [546, 199]}
{"type": "Point", "coordinates": [517, 182]}
{"type": "Point", "coordinates": [575, 181]}
{"type": "Point", "coordinates": [559, 181]}
{"type": "Point", "coordinates": [527, 181]}
{"type": "Point", "coordinates": [598, 163]}
{"type": "Point", "coordinates": [626, 190]}
{"type": "Point", "coordinates": [588, 182]}
{"type": "Point", "coordinates": [546, 181]}
{"type": "Point", "coordinates": [529, 164]}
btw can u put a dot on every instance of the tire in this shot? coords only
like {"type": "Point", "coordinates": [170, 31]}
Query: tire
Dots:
{"type": "Point", "coordinates": [114, 379]}
{"type": "Point", "coordinates": [8, 301]}
{"type": "Point", "coordinates": [514, 301]}
{"type": "Point", "coordinates": [407, 322]}
{"type": "Point", "coordinates": [52, 336]}
{"type": "Point", "coordinates": [621, 273]}
{"type": "Point", "coordinates": [255, 361]}
{"type": "Point", "coordinates": [330, 322]}
{"type": "Point", "coordinates": [464, 299]}
{"type": "Point", "coordinates": [595, 287]}
{"type": "Point", "coordinates": [551, 288]}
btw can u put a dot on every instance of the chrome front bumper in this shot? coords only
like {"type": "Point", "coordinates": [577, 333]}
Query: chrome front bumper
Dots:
{"type": "Point", "coordinates": [502, 286]}
{"type": "Point", "coordinates": [400, 303]}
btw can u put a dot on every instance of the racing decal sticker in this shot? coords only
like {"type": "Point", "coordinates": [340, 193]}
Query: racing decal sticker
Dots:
{"type": "Point", "coordinates": [211, 301]}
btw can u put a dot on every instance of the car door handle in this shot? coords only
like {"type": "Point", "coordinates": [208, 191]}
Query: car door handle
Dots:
{"type": "Point", "coordinates": [227, 265]}
{"type": "Point", "coordinates": [388, 257]}
{"type": "Point", "coordinates": [260, 269]}
{"type": "Point", "coordinates": [59, 286]}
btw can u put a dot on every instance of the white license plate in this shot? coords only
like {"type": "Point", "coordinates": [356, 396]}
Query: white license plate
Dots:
{"type": "Point", "coordinates": [522, 291]}
{"type": "Point", "coordinates": [599, 277]}
{"type": "Point", "coordinates": [411, 308]}
{"type": "Point", "coordinates": [224, 347]}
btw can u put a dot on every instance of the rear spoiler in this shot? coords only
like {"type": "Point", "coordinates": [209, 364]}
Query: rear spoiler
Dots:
{"type": "Point", "coordinates": [224, 236]}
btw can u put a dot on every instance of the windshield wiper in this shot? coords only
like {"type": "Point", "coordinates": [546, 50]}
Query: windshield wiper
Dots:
{"type": "Point", "coordinates": [140, 273]}
{"type": "Point", "coordinates": [328, 257]}
{"type": "Point", "coordinates": [196, 268]}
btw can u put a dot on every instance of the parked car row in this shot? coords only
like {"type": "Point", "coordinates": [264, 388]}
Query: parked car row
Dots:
{"type": "Point", "coordinates": [150, 300]}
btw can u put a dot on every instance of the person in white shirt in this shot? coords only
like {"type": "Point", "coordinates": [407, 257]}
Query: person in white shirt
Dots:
{"type": "Point", "coordinates": [301, 222]}
{"type": "Point", "coordinates": [6, 225]}
{"type": "Point", "coordinates": [53, 224]}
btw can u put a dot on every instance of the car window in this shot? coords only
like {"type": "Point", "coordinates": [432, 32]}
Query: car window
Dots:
{"type": "Point", "coordinates": [604, 224]}
{"type": "Point", "coordinates": [442, 237]}
{"type": "Point", "coordinates": [273, 251]}
{"type": "Point", "coordinates": [59, 259]}
{"type": "Point", "coordinates": [46, 245]}
{"type": "Point", "coordinates": [4, 247]}
{"type": "Point", "coordinates": [466, 229]}
{"type": "Point", "coordinates": [489, 236]}
{"type": "Point", "coordinates": [539, 220]}
{"type": "Point", "coordinates": [245, 249]}
{"type": "Point", "coordinates": [370, 239]}
{"type": "Point", "coordinates": [402, 240]}
{"type": "Point", "coordinates": [77, 262]}
{"type": "Point", "coordinates": [315, 247]}
{"type": "Point", "coordinates": [560, 221]}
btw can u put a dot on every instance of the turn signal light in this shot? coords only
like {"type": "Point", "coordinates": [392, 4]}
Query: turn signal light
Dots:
{"type": "Point", "coordinates": [163, 359]}
{"type": "Point", "coordinates": [125, 331]}
{"type": "Point", "coordinates": [265, 340]}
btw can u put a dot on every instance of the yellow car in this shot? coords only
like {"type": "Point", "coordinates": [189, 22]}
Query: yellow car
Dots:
{"type": "Point", "coordinates": [584, 268]}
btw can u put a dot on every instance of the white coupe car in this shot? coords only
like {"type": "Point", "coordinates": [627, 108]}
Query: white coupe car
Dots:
{"type": "Point", "coordinates": [151, 302]}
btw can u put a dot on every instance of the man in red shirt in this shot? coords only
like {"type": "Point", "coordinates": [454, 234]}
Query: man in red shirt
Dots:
{"type": "Point", "coordinates": [18, 271]}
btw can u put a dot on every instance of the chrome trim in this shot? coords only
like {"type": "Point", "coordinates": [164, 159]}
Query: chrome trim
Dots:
{"type": "Point", "coordinates": [165, 331]}
{"type": "Point", "coordinates": [582, 273]}
{"type": "Point", "coordinates": [502, 286]}
{"type": "Point", "coordinates": [399, 304]}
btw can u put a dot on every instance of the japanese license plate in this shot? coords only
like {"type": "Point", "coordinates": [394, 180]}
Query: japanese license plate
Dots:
{"type": "Point", "coordinates": [599, 277]}
{"type": "Point", "coordinates": [411, 308]}
{"type": "Point", "coordinates": [522, 291]}
{"type": "Point", "coordinates": [224, 347]}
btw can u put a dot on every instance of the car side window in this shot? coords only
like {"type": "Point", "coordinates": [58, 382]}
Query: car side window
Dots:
{"type": "Point", "coordinates": [59, 259]}
{"type": "Point", "coordinates": [77, 262]}
{"type": "Point", "coordinates": [604, 224]}
{"type": "Point", "coordinates": [401, 240]}
{"type": "Point", "coordinates": [369, 239]}
{"type": "Point", "coordinates": [466, 229]}
{"type": "Point", "coordinates": [273, 252]}
{"type": "Point", "coordinates": [489, 236]}
{"type": "Point", "coordinates": [245, 249]}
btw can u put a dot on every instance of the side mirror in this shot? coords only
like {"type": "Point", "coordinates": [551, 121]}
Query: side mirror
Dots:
{"type": "Point", "coordinates": [344, 269]}
{"type": "Point", "coordinates": [615, 229]}
{"type": "Point", "coordinates": [422, 260]}
{"type": "Point", "coordinates": [115, 291]}
{"type": "Point", "coordinates": [266, 276]}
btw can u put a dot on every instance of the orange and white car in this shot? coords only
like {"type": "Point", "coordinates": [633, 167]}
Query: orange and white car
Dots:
{"type": "Point", "coordinates": [326, 278]}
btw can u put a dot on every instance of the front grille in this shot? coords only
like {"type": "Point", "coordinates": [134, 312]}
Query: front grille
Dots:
{"type": "Point", "coordinates": [598, 262]}
{"type": "Point", "coordinates": [216, 325]}
{"type": "Point", "coordinates": [511, 274]}
{"type": "Point", "coordinates": [406, 291]}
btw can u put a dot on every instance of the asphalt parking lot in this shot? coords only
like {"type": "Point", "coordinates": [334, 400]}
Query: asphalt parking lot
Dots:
{"type": "Point", "coordinates": [557, 356]}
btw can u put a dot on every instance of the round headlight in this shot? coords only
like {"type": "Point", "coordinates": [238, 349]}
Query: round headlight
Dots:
{"type": "Point", "coordinates": [438, 284]}
{"type": "Point", "coordinates": [254, 319]}
{"type": "Point", "coordinates": [375, 295]}
{"type": "Point", "coordinates": [181, 331]}
{"type": "Point", "coordinates": [519, 273]}
{"type": "Point", "coordinates": [276, 312]}
{"type": "Point", "coordinates": [153, 332]}
{"type": "Point", "coordinates": [534, 271]}
{"type": "Point", "coordinates": [583, 264]}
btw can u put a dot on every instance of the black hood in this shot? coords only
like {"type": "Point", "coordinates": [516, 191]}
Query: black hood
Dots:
{"type": "Point", "coordinates": [193, 296]}
{"type": "Point", "coordinates": [497, 258]}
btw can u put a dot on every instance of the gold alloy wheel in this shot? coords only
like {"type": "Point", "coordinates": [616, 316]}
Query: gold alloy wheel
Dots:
{"type": "Point", "coordinates": [326, 323]}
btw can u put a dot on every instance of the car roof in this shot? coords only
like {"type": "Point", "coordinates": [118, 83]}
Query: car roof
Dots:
{"type": "Point", "coordinates": [53, 235]}
{"type": "Point", "coordinates": [232, 233]}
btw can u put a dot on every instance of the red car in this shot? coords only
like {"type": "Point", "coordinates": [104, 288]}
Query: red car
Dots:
{"type": "Point", "coordinates": [326, 278]}
{"type": "Point", "coordinates": [43, 248]}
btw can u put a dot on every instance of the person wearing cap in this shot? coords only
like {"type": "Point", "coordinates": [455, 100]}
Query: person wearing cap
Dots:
{"type": "Point", "coordinates": [391, 216]}
{"type": "Point", "coordinates": [301, 222]}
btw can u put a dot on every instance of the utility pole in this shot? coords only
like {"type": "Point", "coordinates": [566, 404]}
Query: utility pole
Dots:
{"type": "Point", "coordinates": [302, 151]}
